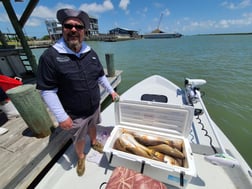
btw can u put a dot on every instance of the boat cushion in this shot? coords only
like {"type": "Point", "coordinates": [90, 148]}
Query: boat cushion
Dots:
{"type": "Point", "coordinates": [123, 178]}
{"type": "Point", "coordinates": [154, 97]}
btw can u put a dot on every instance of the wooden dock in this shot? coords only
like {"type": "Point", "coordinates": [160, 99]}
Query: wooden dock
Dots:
{"type": "Point", "coordinates": [23, 157]}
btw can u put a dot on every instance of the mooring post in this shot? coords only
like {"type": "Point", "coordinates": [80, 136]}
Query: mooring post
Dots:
{"type": "Point", "coordinates": [110, 64]}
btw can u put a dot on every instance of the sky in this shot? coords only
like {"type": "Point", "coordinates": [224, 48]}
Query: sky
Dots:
{"type": "Point", "coordinates": [188, 17]}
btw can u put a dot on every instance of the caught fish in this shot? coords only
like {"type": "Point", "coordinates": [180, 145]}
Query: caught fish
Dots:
{"type": "Point", "coordinates": [127, 143]}
{"type": "Point", "coordinates": [171, 160]}
{"type": "Point", "coordinates": [118, 146]}
{"type": "Point", "coordinates": [168, 150]}
{"type": "Point", "coordinates": [180, 162]}
{"type": "Point", "coordinates": [175, 143]}
{"type": "Point", "coordinates": [153, 140]}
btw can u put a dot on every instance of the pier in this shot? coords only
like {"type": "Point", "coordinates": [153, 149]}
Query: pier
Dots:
{"type": "Point", "coordinates": [23, 157]}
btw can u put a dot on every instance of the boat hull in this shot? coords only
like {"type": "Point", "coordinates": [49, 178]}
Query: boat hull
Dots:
{"type": "Point", "coordinates": [161, 35]}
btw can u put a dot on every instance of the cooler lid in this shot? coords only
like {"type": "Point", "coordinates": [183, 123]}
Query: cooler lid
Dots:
{"type": "Point", "coordinates": [154, 116]}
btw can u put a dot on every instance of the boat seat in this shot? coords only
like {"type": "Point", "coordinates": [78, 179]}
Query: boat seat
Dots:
{"type": "Point", "coordinates": [154, 98]}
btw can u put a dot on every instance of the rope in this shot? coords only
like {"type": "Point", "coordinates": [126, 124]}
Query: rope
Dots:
{"type": "Point", "coordinates": [206, 134]}
{"type": "Point", "coordinates": [102, 185]}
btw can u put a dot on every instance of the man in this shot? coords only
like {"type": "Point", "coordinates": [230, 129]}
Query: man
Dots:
{"type": "Point", "coordinates": [68, 76]}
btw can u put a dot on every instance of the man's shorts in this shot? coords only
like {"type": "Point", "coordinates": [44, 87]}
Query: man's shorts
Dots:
{"type": "Point", "coordinates": [82, 125]}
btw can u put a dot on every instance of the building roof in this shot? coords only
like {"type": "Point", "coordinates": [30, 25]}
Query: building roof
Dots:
{"type": "Point", "coordinates": [125, 29]}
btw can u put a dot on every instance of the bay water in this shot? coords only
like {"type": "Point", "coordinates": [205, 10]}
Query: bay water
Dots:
{"type": "Point", "coordinates": [224, 61]}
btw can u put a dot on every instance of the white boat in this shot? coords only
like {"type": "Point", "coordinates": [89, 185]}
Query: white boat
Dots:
{"type": "Point", "coordinates": [161, 35]}
{"type": "Point", "coordinates": [225, 168]}
{"type": "Point", "coordinates": [158, 34]}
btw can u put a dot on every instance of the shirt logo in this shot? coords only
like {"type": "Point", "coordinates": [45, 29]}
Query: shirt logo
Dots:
{"type": "Point", "coordinates": [63, 59]}
{"type": "Point", "coordinates": [94, 58]}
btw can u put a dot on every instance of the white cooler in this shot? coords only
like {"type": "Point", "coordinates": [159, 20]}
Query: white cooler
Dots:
{"type": "Point", "coordinates": [155, 119]}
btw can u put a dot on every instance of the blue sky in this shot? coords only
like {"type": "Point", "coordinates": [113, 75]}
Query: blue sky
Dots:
{"type": "Point", "coordinates": [188, 17]}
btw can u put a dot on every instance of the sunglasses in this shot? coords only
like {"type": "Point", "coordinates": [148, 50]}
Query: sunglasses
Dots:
{"type": "Point", "coordinates": [70, 26]}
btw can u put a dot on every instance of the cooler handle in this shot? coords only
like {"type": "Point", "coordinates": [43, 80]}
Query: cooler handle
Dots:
{"type": "Point", "coordinates": [18, 78]}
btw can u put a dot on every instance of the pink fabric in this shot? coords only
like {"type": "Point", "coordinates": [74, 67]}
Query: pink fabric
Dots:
{"type": "Point", "coordinates": [124, 178]}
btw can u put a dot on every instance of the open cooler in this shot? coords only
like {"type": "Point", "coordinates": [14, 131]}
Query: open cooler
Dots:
{"type": "Point", "coordinates": [153, 123]}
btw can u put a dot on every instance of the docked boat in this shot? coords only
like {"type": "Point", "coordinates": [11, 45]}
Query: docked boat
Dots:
{"type": "Point", "coordinates": [158, 34]}
{"type": "Point", "coordinates": [157, 107]}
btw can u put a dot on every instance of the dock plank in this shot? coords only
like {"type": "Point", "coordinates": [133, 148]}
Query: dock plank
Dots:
{"type": "Point", "coordinates": [24, 156]}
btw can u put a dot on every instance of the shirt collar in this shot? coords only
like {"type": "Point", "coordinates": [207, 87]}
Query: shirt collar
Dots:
{"type": "Point", "coordinates": [61, 47]}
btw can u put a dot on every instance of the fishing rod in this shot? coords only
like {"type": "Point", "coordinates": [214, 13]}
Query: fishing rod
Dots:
{"type": "Point", "coordinates": [194, 94]}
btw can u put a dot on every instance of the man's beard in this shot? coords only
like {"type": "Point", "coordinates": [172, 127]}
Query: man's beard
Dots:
{"type": "Point", "coordinates": [74, 44]}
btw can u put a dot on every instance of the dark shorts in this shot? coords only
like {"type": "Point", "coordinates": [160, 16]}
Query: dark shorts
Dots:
{"type": "Point", "coordinates": [82, 125]}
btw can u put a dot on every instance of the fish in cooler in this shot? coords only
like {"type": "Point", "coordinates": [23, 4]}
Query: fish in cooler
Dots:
{"type": "Point", "coordinates": [128, 142]}
{"type": "Point", "coordinates": [154, 140]}
{"type": "Point", "coordinates": [168, 150]}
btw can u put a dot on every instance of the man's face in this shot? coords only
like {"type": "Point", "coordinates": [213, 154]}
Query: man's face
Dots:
{"type": "Point", "coordinates": [73, 33]}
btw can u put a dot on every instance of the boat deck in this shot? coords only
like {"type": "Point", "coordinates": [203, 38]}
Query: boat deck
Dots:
{"type": "Point", "coordinates": [23, 156]}
{"type": "Point", "coordinates": [63, 173]}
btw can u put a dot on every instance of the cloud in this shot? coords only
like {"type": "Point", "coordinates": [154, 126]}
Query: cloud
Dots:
{"type": "Point", "coordinates": [244, 21]}
{"type": "Point", "coordinates": [166, 12]}
{"type": "Point", "coordinates": [124, 4]}
{"type": "Point", "coordinates": [93, 8]}
{"type": "Point", "coordinates": [208, 25]}
{"type": "Point", "coordinates": [242, 4]}
{"type": "Point", "coordinates": [34, 22]}
{"type": "Point", "coordinates": [43, 12]}
{"type": "Point", "coordinates": [49, 12]}
{"type": "Point", "coordinates": [97, 8]}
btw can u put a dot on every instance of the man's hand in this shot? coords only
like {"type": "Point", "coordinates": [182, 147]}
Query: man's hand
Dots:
{"type": "Point", "coordinates": [115, 96]}
{"type": "Point", "coordinates": [67, 124]}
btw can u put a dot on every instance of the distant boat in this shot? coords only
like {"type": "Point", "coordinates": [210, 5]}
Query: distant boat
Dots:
{"type": "Point", "coordinates": [157, 33]}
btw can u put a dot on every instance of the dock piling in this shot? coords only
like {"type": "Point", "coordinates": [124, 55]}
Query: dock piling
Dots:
{"type": "Point", "coordinates": [31, 107]}
{"type": "Point", "coordinates": [110, 64]}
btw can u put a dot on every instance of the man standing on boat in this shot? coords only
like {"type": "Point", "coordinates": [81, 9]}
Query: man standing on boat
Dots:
{"type": "Point", "coordinates": [68, 76]}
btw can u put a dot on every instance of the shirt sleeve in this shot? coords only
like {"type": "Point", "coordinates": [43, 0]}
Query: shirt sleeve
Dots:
{"type": "Point", "coordinates": [103, 81]}
{"type": "Point", "coordinates": [51, 99]}
{"type": "Point", "coordinates": [46, 73]}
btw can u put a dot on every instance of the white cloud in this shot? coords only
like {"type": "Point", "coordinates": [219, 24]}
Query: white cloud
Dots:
{"type": "Point", "coordinates": [124, 4]}
{"type": "Point", "coordinates": [166, 12]}
{"type": "Point", "coordinates": [34, 22]}
{"type": "Point", "coordinates": [44, 12]}
{"type": "Point", "coordinates": [240, 5]}
{"type": "Point", "coordinates": [208, 25]}
{"type": "Point", "coordinates": [97, 8]}
{"type": "Point", "coordinates": [244, 21]}
{"type": "Point", "coordinates": [93, 8]}
{"type": "Point", "coordinates": [49, 12]}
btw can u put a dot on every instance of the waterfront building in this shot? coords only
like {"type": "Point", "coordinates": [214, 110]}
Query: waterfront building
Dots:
{"type": "Point", "coordinates": [123, 32]}
{"type": "Point", "coordinates": [54, 29]}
